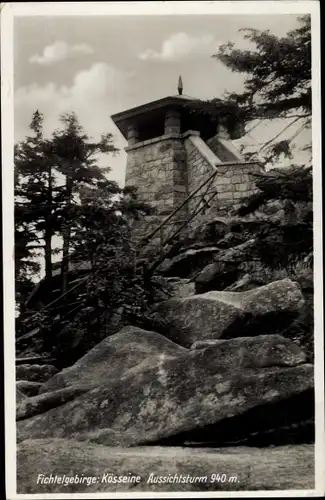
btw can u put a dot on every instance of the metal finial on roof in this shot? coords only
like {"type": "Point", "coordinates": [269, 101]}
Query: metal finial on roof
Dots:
{"type": "Point", "coordinates": [180, 86]}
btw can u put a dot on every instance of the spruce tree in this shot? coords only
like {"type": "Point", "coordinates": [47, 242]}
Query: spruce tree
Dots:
{"type": "Point", "coordinates": [76, 160]}
{"type": "Point", "coordinates": [278, 72]}
{"type": "Point", "coordinates": [36, 195]}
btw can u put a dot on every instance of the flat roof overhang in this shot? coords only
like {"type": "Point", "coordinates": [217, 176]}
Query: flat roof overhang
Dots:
{"type": "Point", "coordinates": [197, 114]}
{"type": "Point", "coordinates": [155, 108]}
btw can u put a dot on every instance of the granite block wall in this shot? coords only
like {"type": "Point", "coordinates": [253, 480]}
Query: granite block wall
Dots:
{"type": "Point", "coordinates": [167, 169]}
{"type": "Point", "coordinates": [233, 181]}
{"type": "Point", "coordinates": [157, 168]}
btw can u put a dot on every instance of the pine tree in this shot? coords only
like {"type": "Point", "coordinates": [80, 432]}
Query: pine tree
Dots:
{"type": "Point", "coordinates": [76, 159]}
{"type": "Point", "coordinates": [277, 85]}
{"type": "Point", "coordinates": [35, 193]}
{"type": "Point", "coordinates": [278, 81]}
{"type": "Point", "coordinates": [114, 286]}
{"type": "Point", "coordinates": [92, 216]}
{"type": "Point", "coordinates": [26, 265]}
{"type": "Point", "coordinates": [44, 205]}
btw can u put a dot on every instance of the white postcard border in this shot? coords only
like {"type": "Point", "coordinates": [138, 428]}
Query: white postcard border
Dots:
{"type": "Point", "coordinates": [8, 12]}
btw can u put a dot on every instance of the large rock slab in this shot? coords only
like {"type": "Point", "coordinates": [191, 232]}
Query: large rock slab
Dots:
{"type": "Point", "coordinates": [197, 389]}
{"type": "Point", "coordinates": [225, 270]}
{"type": "Point", "coordinates": [244, 284]}
{"type": "Point", "coordinates": [166, 288]}
{"type": "Point", "coordinates": [243, 469]}
{"type": "Point", "coordinates": [27, 387]}
{"type": "Point", "coordinates": [186, 262]}
{"type": "Point", "coordinates": [20, 396]}
{"type": "Point", "coordinates": [255, 352]}
{"type": "Point", "coordinates": [263, 351]}
{"type": "Point", "coordinates": [211, 231]}
{"type": "Point", "coordinates": [35, 405]}
{"type": "Point", "coordinates": [113, 357]}
{"type": "Point", "coordinates": [217, 314]}
{"type": "Point", "coordinates": [218, 239]}
{"type": "Point", "coordinates": [35, 373]}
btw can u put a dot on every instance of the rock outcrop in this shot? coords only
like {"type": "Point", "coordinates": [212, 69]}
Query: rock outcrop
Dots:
{"type": "Point", "coordinates": [261, 351]}
{"type": "Point", "coordinates": [20, 396]}
{"type": "Point", "coordinates": [264, 378]}
{"type": "Point", "coordinates": [216, 314]}
{"type": "Point", "coordinates": [186, 262]}
{"type": "Point", "coordinates": [112, 358]}
{"type": "Point", "coordinates": [210, 386]}
{"type": "Point", "coordinates": [165, 288]}
{"type": "Point", "coordinates": [35, 373]}
{"type": "Point", "coordinates": [225, 269]}
{"type": "Point", "coordinates": [27, 387]}
{"type": "Point", "coordinates": [202, 383]}
{"type": "Point", "coordinates": [35, 405]}
{"type": "Point", "coordinates": [228, 241]}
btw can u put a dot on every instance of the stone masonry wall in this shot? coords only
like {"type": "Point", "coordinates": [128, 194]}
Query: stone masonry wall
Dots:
{"type": "Point", "coordinates": [157, 168]}
{"type": "Point", "coordinates": [167, 169]}
{"type": "Point", "coordinates": [199, 169]}
{"type": "Point", "coordinates": [232, 183]}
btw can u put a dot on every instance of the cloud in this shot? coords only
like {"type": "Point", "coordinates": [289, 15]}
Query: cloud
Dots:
{"type": "Point", "coordinates": [180, 46]}
{"type": "Point", "coordinates": [60, 51]}
{"type": "Point", "coordinates": [92, 96]}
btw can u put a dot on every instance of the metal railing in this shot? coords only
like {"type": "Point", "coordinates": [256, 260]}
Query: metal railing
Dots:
{"type": "Point", "coordinates": [203, 200]}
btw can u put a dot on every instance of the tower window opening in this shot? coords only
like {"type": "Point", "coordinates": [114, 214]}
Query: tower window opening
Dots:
{"type": "Point", "coordinates": [147, 131]}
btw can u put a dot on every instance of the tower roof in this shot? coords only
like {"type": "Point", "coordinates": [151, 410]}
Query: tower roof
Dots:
{"type": "Point", "coordinates": [159, 106]}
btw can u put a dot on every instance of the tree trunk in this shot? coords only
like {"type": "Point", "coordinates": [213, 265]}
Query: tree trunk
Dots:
{"type": "Point", "coordinates": [66, 232]}
{"type": "Point", "coordinates": [48, 253]}
{"type": "Point", "coordinates": [65, 257]}
{"type": "Point", "coordinates": [48, 228]}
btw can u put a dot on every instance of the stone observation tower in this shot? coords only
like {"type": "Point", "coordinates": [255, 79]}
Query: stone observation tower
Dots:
{"type": "Point", "coordinates": [172, 149]}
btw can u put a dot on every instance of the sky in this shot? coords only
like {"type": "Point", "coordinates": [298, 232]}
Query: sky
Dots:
{"type": "Point", "coordinates": [99, 65]}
